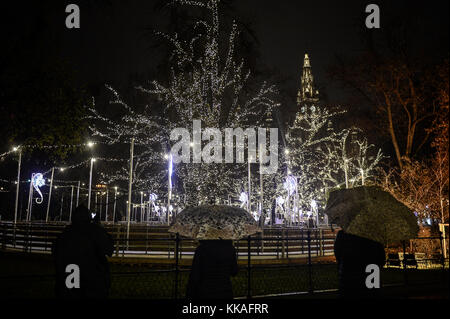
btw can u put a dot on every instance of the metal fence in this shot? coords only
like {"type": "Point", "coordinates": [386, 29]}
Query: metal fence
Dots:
{"type": "Point", "coordinates": [155, 241]}
{"type": "Point", "coordinates": [280, 263]}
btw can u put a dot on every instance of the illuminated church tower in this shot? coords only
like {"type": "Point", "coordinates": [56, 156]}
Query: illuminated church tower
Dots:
{"type": "Point", "coordinates": [307, 102]}
{"type": "Point", "coordinates": [307, 95]}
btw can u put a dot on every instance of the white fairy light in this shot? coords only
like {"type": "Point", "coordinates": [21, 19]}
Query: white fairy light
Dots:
{"type": "Point", "coordinates": [203, 86]}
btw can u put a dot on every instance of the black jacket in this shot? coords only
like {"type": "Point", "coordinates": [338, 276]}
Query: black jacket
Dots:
{"type": "Point", "coordinates": [353, 255]}
{"type": "Point", "coordinates": [214, 262]}
{"type": "Point", "coordinates": [85, 245]}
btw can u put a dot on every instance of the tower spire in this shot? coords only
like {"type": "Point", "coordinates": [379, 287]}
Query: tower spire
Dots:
{"type": "Point", "coordinates": [307, 93]}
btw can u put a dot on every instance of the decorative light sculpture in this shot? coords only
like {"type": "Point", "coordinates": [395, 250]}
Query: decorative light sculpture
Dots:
{"type": "Point", "coordinates": [243, 198]}
{"type": "Point", "coordinates": [290, 184]}
{"type": "Point", "coordinates": [38, 181]}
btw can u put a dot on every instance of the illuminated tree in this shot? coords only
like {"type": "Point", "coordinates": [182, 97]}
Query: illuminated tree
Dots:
{"type": "Point", "coordinates": [206, 83]}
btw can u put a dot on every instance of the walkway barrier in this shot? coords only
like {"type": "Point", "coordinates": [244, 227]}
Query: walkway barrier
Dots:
{"type": "Point", "coordinates": [309, 274]}
{"type": "Point", "coordinates": [156, 241]}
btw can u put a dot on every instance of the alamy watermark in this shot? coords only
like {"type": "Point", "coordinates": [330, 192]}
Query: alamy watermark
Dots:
{"type": "Point", "coordinates": [220, 149]}
{"type": "Point", "coordinates": [73, 277]}
{"type": "Point", "coordinates": [373, 279]}
{"type": "Point", "coordinates": [373, 19]}
{"type": "Point", "coordinates": [73, 18]}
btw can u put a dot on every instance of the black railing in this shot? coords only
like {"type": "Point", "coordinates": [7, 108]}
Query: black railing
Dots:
{"type": "Point", "coordinates": [310, 273]}
{"type": "Point", "coordinates": [156, 241]}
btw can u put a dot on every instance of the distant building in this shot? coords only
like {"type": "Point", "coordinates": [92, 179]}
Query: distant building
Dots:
{"type": "Point", "coordinates": [308, 96]}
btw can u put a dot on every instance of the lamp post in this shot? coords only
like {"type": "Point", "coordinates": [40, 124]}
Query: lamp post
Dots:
{"type": "Point", "coordinates": [95, 202]}
{"type": "Point", "coordinates": [249, 206]}
{"type": "Point", "coordinates": [142, 206]}
{"type": "Point", "coordinates": [71, 202]}
{"type": "Point", "coordinates": [261, 200]}
{"type": "Point", "coordinates": [106, 204]}
{"type": "Point", "coordinates": [62, 204]}
{"type": "Point", "coordinates": [98, 208]}
{"type": "Point", "coordinates": [19, 163]}
{"type": "Point", "coordinates": [130, 183]}
{"type": "Point", "coordinates": [169, 197]}
{"type": "Point", "coordinates": [78, 193]}
{"type": "Point", "coordinates": [261, 190]}
{"type": "Point", "coordinates": [288, 172]}
{"type": "Point", "coordinates": [30, 199]}
{"type": "Point", "coordinates": [50, 194]}
{"type": "Point", "coordinates": [90, 183]}
{"type": "Point", "coordinates": [114, 207]}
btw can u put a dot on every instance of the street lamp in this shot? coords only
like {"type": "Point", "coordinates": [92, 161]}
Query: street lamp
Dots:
{"type": "Point", "coordinates": [130, 186]}
{"type": "Point", "coordinates": [114, 207]}
{"type": "Point", "coordinates": [15, 149]}
{"type": "Point", "coordinates": [142, 208]}
{"type": "Point", "coordinates": [170, 157]}
{"type": "Point", "coordinates": [78, 193]}
{"type": "Point", "coordinates": [50, 194]}
{"type": "Point", "coordinates": [90, 183]}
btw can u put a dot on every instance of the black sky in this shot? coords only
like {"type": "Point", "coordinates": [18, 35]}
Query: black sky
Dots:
{"type": "Point", "coordinates": [113, 42]}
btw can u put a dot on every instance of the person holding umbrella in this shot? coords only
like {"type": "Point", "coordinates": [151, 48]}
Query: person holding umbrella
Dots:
{"type": "Point", "coordinates": [215, 259]}
{"type": "Point", "coordinates": [214, 262]}
{"type": "Point", "coordinates": [370, 218]}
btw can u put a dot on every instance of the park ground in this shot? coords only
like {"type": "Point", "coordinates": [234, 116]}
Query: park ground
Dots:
{"type": "Point", "coordinates": [32, 276]}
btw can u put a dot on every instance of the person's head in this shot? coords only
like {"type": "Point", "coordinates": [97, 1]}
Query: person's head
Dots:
{"type": "Point", "coordinates": [81, 215]}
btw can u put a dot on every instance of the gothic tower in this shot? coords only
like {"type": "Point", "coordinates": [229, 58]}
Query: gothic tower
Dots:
{"type": "Point", "coordinates": [307, 98]}
{"type": "Point", "coordinates": [307, 94]}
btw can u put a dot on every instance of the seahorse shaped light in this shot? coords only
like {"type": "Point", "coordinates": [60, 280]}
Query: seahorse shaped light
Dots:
{"type": "Point", "coordinates": [38, 181]}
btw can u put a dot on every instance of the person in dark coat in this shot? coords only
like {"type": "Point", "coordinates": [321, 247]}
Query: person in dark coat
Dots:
{"type": "Point", "coordinates": [86, 245]}
{"type": "Point", "coordinates": [214, 262]}
{"type": "Point", "coordinates": [353, 254]}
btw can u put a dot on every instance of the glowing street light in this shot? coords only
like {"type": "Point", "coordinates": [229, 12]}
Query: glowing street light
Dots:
{"type": "Point", "coordinates": [169, 197]}
{"type": "Point", "coordinates": [249, 204]}
{"type": "Point", "coordinates": [15, 149]}
{"type": "Point", "coordinates": [142, 207]}
{"type": "Point", "coordinates": [130, 187]}
{"type": "Point", "coordinates": [50, 194]}
{"type": "Point", "coordinates": [114, 207]}
{"type": "Point", "coordinates": [90, 183]}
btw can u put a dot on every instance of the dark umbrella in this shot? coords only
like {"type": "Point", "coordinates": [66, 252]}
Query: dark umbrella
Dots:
{"type": "Point", "coordinates": [211, 222]}
{"type": "Point", "coordinates": [370, 212]}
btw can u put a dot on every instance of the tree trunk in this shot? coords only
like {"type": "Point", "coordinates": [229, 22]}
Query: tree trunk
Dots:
{"type": "Point", "coordinates": [393, 136]}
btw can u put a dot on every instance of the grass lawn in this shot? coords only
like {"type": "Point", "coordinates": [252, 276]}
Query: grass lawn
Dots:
{"type": "Point", "coordinates": [31, 276]}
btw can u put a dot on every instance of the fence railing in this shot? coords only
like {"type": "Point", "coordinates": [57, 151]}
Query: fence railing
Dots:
{"type": "Point", "coordinates": [309, 274]}
{"type": "Point", "coordinates": [154, 241]}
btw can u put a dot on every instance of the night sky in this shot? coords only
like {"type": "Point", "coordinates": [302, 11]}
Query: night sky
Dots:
{"type": "Point", "coordinates": [114, 42]}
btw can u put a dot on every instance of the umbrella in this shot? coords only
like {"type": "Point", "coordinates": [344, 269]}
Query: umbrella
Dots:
{"type": "Point", "coordinates": [210, 222]}
{"type": "Point", "coordinates": [370, 212]}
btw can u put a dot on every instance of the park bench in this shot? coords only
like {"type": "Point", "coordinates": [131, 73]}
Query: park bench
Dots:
{"type": "Point", "coordinates": [393, 260]}
{"type": "Point", "coordinates": [409, 260]}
